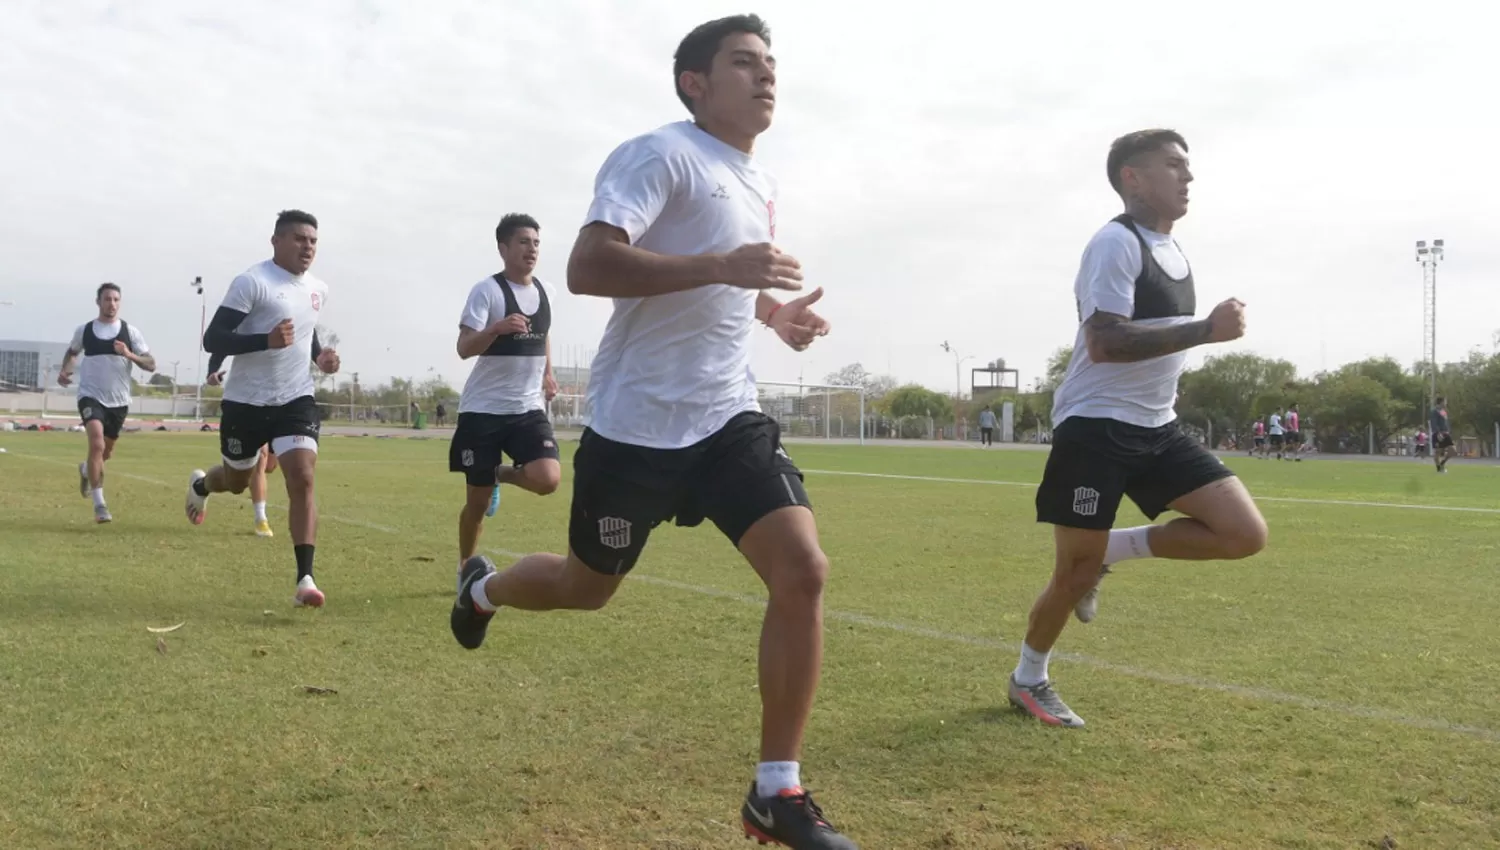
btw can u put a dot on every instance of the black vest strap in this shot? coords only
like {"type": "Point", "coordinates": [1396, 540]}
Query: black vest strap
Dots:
{"type": "Point", "coordinates": [93, 346]}
{"type": "Point", "coordinates": [1157, 294]}
{"type": "Point", "coordinates": [532, 343]}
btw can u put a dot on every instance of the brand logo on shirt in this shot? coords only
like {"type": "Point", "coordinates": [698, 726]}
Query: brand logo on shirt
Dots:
{"type": "Point", "coordinates": [721, 192]}
{"type": "Point", "coordinates": [614, 532]}
{"type": "Point", "coordinates": [1085, 501]}
{"type": "Point", "coordinates": [771, 216]}
{"type": "Point", "coordinates": [317, 301]}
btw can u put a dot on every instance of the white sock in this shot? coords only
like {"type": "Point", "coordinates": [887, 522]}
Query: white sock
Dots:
{"type": "Point", "coordinates": [1033, 667]}
{"type": "Point", "coordinates": [260, 511]}
{"type": "Point", "coordinates": [1128, 543]}
{"type": "Point", "coordinates": [476, 593]}
{"type": "Point", "coordinates": [98, 497]}
{"type": "Point", "coordinates": [773, 777]}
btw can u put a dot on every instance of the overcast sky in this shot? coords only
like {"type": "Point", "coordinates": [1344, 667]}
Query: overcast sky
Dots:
{"type": "Point", "coordinates": [941, 165]}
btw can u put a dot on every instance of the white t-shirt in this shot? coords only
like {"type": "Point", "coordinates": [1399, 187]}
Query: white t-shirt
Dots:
{"type": "Point", "coordinates": [502, 384]}
{"type": "Point", "coordinates": [673, 369]}
{"type": "Point", "coordinates": [1276, 430]}
{"type": "Point", "coordinates": [105, 378]}
{"type": "Point", "coordinates": [1142, 393]}
{"type": "Point", "coordinates": [268, 293]}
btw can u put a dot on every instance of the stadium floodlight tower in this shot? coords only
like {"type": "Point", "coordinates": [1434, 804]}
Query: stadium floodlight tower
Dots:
{"type": "Point", "coordinates": [1429, 257]}
{"type": "Point", "coordinates": [197, 286]}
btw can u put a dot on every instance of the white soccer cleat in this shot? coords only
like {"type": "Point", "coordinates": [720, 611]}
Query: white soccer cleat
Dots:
{"type": "Point", "coordinates": [1088, 607]}
{"type": "Point", "coordinates": [308, 594]}
{"type": "Point", "coordinates": [196, 505]}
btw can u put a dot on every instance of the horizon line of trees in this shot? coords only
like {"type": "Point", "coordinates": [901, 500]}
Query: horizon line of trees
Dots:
{"type": "Point", "coordinates": [1225, 395]}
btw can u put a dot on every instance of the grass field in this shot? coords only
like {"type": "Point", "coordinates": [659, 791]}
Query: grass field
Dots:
{"type": "Point", "coordinates": [1339, 690]}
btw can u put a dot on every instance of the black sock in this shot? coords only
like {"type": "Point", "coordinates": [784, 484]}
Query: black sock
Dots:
{"type": "Point", "coordinates": [201, 487]}
{"type": "Point", "coordinates": [304, 559]}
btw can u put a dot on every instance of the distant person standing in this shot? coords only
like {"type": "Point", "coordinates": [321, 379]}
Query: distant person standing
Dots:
{"type": "Point", "coordinates": [1259, 445]}
{"type": "Point", "coordinates": [108, 347]}
{"type": "Point", "coordinates": [1294, 433]}
{"type": "Point", "coordinates": [986, 426]}
{"type": "Point", "coordinates": [1421, 442]}
{"type": "Point", "coordinates": [1278, 434]}
{"type": "Point", "coordinates": [1442, 436]}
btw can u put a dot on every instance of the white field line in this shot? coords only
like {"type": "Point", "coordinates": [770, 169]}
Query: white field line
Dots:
{"type": "Point", "coordinates": [1435, 724]}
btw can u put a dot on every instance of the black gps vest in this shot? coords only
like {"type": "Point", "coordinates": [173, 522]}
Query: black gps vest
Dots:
{"type": "Point", "coordinates": [1157, 294]}
{"type": "Point", "coordinates": [532, 343]}
{"type": "Point", "coordinates": [93, 346]}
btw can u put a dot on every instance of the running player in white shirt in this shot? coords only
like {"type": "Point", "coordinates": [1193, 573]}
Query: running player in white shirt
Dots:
{"type": "Point", "coordinates": [1117, 433]}
{"type": "Point", "coordinates": [506, 324]}
{"type": "Point", "coordinates": [266, 466]}
{"type": "Point", "coordinates": [680, 234]}
{"type": "Point", "coordinates": [268, 323]}
{"type": "Point", "coordinates": [109, 347]}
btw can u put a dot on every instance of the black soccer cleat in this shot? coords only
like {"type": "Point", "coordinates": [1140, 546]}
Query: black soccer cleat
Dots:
{"type": "Point", "coordinates": [790, 819]}
{"type": "Point", "coordinates": [466, 620]}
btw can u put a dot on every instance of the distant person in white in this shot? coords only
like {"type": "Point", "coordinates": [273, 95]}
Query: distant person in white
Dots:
{"type": "Point", "coordinates": [109, 347]}
{"type": "Point", "coordinates": [507, 327]}
{"type": "Point", "coordinates": [268, 323]}
{"type": "Point", "coordinates": [1278, 434]}
{"type": "Point", "coordinates": [681, 235]}
{"type": "Point", "coordinates": [1117, 433]}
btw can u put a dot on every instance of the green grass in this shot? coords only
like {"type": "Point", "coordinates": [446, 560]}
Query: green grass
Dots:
{"type": "Point", "coordinates": [636, 726]}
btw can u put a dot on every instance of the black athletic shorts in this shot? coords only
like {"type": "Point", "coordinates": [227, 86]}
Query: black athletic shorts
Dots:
{"type": "Point", "coordinates": [1294, 438]}
{"type": "Point", "coordinates": [244, 428]}
{"type": "Point", "coordinates": [1260, 441]}
{"type": "Point", "coordinates": [112, 418]}
{"type": "Point", "coordinates": [480, 439]}
{"type": "Point", "coordinates": [1096, 462]}
{"type": "Point", "coordinates": [1443, 440]}
{"type": "Point", "coordinates": [1278, 440]}
{"type": "Point", "coordinates": [621, 492]}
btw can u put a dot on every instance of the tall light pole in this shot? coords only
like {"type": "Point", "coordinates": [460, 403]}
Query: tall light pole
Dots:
{"type": "Point", "coordinates": [197, 286]}
{"type": "Point", "coordinates": [1429, 257]}
{"type": "Point", "coordinates": [958, 382]}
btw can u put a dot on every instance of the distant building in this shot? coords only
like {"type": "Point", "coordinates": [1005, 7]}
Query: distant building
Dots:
{"type": "Point", "coordinates": [29, 365]}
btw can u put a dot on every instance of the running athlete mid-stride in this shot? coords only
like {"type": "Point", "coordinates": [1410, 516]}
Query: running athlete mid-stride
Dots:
{"type": "Point", "coordinates": [268, 323]}
{"type": "Point", "coordinates": [680, 235]}
{"type": "Point", "coordinates": [108, 346]}
{"type": "Point", "coordinates": [1117, 433]}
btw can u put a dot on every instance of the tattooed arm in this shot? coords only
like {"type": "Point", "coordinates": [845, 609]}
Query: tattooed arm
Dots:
{"type": "Point", "coordinates": [1113, 338]}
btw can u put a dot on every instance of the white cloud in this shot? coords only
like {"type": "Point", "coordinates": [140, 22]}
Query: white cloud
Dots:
{"type": "Point", "coordinates": [940, 171]}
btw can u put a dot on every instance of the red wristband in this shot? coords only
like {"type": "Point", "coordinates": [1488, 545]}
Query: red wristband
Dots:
{"type": "Point", "coordinates": [771, 314]}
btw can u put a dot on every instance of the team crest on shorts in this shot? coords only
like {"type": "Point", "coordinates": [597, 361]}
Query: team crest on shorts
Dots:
{"type": "Point", "coordinates": [466, 457]}
{"type": "Point", "coordinates": [1085, 501]}
{"type": "Point", "coordinates": [614, 532]}
{"type": "Point", "coordinates": [233, 445]}
{"type": "Point", "coordinates": [87, 412]}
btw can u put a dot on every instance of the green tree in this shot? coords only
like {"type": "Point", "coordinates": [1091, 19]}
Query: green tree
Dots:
{"type": "Point", "coordinates": [916, 400]}
{"type": "Point", "coordinates": [1230, 390]}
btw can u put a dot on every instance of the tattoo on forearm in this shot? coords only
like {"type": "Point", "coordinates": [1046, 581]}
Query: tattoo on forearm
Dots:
{"type": "Point", "coordinates": [1124, 341]}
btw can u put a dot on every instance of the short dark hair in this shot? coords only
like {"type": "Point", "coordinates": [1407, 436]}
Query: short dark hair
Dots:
{"type": "Point", "coordinates": [699, 47]}
{"type": "Point", "coordinates": [290, 218]}
{"type": "Point", "coordinates": [511, 223]}
{"type": "Point", "coordinates": [1440, 399]}
{"type": "Point", "coordinates": [1132, 145]}
{"type": "Point", "coordinates": [99, 293]}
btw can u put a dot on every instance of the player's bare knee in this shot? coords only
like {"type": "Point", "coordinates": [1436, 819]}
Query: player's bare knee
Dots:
{"type": "Point", "coordinates": [546, 480]}
{"type": "Point", "coordinates": [588, 590]}
{"type": "Point", "coordinates": [1077, 574]}
{"type": "Point", "coordinates": [1244, 537]}
{"type": "Point", "coordinates": [800, 575]}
